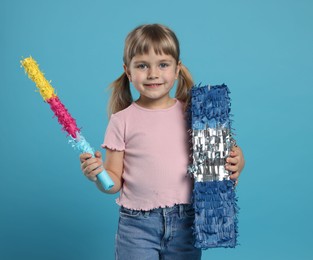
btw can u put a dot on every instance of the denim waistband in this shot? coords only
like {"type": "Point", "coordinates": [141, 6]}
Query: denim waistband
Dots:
{"type": "Point", "coordinates": [178, 208]}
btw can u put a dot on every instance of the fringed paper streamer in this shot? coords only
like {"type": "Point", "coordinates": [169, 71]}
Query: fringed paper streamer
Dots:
{"type": "Point", "coordinates": [32, 69]}
{"type": "Point", "coordinates": [64, 118]}
{"type": "Point", "coordinates": [214, 197]}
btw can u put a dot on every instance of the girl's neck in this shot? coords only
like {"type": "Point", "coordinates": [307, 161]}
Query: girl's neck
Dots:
{"type": "Point", "coordinates": [156, 104]}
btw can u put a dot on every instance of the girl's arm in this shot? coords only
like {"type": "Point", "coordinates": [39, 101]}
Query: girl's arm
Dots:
{"type": "Point", "coordinates": [113, 164]}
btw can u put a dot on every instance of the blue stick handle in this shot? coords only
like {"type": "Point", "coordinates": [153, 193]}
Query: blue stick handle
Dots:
{"type": "Point", "coordinates": [83, 146]}
{"type": "Point", "coordinates": [105, 180]}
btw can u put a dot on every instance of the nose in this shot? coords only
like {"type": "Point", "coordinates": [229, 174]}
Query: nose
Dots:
{"type": "Point", "coordinates": [153, 73]}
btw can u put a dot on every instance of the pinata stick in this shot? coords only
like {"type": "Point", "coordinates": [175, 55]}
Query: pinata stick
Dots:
{"type": "Point", "coordinates": [65, 119]}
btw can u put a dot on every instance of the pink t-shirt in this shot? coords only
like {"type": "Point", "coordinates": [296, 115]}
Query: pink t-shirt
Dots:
{"type": "Point", "coordinates": [155, 143]}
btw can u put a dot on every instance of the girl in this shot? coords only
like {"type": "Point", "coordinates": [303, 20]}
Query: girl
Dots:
{"type": "Point", "coordinates": [147, 153]}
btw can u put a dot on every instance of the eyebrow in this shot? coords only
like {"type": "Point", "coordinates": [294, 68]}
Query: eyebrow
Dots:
{"type": "Point", "coordinates": [159, 61]}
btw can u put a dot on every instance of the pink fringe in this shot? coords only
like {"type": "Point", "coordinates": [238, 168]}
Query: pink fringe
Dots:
{"type": "Point", "coordinates": [64, 117]}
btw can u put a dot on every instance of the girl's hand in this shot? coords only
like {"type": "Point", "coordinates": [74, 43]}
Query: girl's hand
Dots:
{"type": "Point", "coordinates": [90, 166]}
{"type": "Point", "coordinates": [235, 163]}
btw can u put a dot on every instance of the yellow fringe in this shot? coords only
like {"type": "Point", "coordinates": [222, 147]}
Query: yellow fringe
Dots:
{"type": "Point", "coordinates": [32, 69]}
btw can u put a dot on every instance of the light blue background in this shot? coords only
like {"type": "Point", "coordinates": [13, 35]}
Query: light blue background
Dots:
{"type": "Point", "coordinates": [261, 49]}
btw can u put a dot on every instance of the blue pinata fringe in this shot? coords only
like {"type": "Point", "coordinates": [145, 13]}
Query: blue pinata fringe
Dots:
{"type": "Point", "coordinates": [215, 202]}
{"type": "Point", "coordinates": [216, 209]}
{"type": "Point", "coordinates": [210, 107]}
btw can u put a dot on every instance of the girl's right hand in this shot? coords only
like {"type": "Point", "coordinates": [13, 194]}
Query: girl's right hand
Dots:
{"type": "Point", "coordinates": [91, 166]}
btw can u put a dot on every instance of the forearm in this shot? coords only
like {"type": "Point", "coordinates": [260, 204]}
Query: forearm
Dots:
{"type": "Point", "coordinates": [117, 184]}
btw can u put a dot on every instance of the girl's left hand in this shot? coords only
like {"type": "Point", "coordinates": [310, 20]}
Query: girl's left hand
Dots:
{"type": "Point", "coordinates": [235, 163]}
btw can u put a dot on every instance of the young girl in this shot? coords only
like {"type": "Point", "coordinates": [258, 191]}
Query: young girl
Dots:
{"type": "Point", "coordinates": [146, 150]}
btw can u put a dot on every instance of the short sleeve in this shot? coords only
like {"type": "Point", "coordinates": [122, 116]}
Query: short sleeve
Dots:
{"type": "Point", "coordinates": [114, 138]}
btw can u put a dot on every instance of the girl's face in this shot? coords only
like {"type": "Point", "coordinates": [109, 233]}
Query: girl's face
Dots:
{"type": "Point", "coordinates": [153, 75]}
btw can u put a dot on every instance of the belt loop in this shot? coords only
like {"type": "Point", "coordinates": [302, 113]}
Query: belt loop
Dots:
{"type": "Point", "coordinates": [146, 213]}
{"type": "Point", "coordinates": [164, 212]}
{"type": "Point", "coordinates": [181, 210]}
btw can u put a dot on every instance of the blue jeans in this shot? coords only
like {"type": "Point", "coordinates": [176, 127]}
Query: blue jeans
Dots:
{"type": "Point", "coordinates": [163, 233]}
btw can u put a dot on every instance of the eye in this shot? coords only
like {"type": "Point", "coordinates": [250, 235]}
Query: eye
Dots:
{"type": "Point", "coordinates": [164, 65]}
{"type": "Point", "coordinates": [142, 66]}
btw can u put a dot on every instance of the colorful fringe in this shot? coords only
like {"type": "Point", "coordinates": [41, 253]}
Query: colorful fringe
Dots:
{"type": "Point", "coordinates": [214, 197]}
{"type": "Point", "coordinates": [64, 118]}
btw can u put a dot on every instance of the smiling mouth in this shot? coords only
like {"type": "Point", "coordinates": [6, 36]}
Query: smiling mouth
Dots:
{"type": "Point", "coordinates": [153, 85]}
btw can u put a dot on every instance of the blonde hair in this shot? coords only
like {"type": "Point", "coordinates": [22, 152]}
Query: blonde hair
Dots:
{"type": "Point", "coordinates": [138, 42]}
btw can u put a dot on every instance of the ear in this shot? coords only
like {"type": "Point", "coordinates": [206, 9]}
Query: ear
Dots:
{"type": "Point", "coordinates": [126, 70]}
{"type": "Point", "coordinates": [178, 68]}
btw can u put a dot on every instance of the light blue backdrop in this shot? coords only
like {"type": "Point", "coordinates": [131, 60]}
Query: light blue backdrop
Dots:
{"type": "Point", "coordinates": [261, 49]}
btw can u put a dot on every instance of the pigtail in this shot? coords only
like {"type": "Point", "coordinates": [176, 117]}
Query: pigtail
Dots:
{"type": "Point", "coordinates": [121, 96]}
{"type": "Point", "coordinates": [184, 85]}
